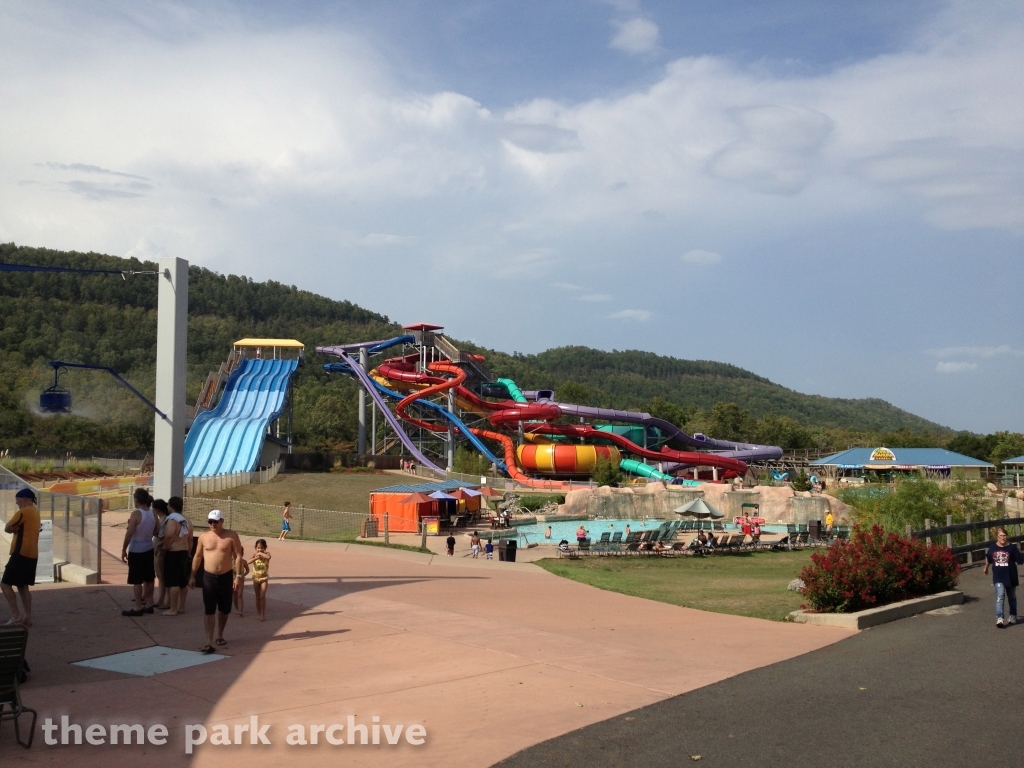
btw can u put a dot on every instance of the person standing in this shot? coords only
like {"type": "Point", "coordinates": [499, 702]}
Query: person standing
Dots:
{"type": "Point", "coordinates": [137, 551]}
{"type": "Point", "coordinates": [20, 572]}
{"type": "Point", "coordinates": [217, 553]}
{"type": "Point", "coordinates": [260, 563]}
{"type": "Point", "coordinates": [450, 544]}
{"type": "Point", "coordinates": [474, 545]}
{"type": "Point", "coordinates": [1003, 558]}
{"type": "Point", "coordinates": [159, 507]}
{"type": "Point", "coordinates": [829, 521]}
{"type": "Point", "coordinates": [286, 521]}
{"type": "Point", "coordinates": [177, 546]}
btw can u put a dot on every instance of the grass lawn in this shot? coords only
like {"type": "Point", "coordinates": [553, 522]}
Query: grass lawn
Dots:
{"type": "Point", "coordinates": [332, 491]}
{"type": "Point", "coordinates": [316, 490]}
{"type": "Point", "coordinates": [750, 584]}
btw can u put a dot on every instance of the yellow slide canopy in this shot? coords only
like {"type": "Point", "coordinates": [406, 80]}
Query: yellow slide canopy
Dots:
{"type": "Point", "coordinates": [277, 346]}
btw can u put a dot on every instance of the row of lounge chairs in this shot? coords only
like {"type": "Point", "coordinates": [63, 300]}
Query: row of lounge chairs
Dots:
{"type": "Point", "coordinates": [663, 541]}
{"type": "Point", "coordinates": [636, 542]}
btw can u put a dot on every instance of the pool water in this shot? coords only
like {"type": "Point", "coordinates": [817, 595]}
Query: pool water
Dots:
{"type": "Point", "coordinates": [567, 529]}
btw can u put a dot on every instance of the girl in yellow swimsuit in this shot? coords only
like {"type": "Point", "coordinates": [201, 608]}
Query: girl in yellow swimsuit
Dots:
{"type": "Point", "coordinates": [260, 563]}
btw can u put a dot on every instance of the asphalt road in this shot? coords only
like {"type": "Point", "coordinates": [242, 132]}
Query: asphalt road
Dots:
{"type": "Point", "coordinates": [933, 690]}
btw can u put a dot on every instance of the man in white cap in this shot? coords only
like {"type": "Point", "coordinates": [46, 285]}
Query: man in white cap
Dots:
{"type": "Point", "coordinates": [218, 553]}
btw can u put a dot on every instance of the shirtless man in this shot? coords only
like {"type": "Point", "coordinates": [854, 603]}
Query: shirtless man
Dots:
{"type": "Point", "coordinates": [176, 544]}
{"type": "Point", "coordinates": [218, 552]}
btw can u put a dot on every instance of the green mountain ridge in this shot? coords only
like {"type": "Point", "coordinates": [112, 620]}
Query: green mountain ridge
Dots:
{"type": "Point", "coordinates": [105, 320]}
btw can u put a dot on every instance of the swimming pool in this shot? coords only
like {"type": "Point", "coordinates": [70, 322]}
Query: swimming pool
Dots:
{"type": "Point", "coordinates": [566, 529]}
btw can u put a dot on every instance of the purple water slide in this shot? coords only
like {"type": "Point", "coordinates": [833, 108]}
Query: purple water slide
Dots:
{"type": "Point", "coordinates": [367, 383]}
{"type": "Point", "coordinates": [743, 451]}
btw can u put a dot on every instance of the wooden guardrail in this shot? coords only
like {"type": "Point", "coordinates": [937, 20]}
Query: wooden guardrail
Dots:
{"type": "Point", "coordinates": [929, 533]}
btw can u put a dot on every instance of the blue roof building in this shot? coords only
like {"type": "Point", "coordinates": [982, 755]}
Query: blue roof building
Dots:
{"type": "Point", "coordinates": [939, 461]}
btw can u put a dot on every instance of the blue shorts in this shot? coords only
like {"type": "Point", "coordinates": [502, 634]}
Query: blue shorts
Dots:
{"type": "Point", "coordinates": [285, 526]}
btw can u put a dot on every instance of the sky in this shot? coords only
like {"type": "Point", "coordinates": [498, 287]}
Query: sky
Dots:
{"type": "Point", "coordinates": [830, 195]}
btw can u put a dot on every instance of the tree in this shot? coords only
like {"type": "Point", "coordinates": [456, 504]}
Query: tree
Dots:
{"type": "Point", "coordinates": [470, 462]}
{"type": "Point", "coordinates": [729, 422]}
{"type": "Point", "coordinates": [782, 431]}
{"type": "Point", "coordinates": [801, 482]}
{"type": "Point", "coordinates": [573, 392]}
{"type": "Point", "coordinates": [1007, 446]}
{"type": "Point", "coordinates": [660, 408]}
{"type": "Point", "coordinates": [606, 473]}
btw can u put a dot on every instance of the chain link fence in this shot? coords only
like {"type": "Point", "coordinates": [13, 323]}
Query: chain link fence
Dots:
{"type": "Point", "coordinates": [265, 519]}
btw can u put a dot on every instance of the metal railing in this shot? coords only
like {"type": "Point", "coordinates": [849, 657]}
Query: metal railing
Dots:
{"type": "Point", "coordinates": [77, 522]}
{"type": "Point", "coordinates": [197, 486]}
{"type": "Point", "coordinates": [265, 519]}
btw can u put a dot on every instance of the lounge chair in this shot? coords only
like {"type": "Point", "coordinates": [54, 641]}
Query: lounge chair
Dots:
{"type": "Point", "coordinates": [583, 545]}
{"type": "Point", "coordinates": [615, 544]}
{"type": "Point", "coordinates": [633, 541]}
{"type": "Point", "coordinates": [13, 641]}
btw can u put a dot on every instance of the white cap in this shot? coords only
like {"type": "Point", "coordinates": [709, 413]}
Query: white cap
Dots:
{"type": "Point", "coordinates": [215, 514]}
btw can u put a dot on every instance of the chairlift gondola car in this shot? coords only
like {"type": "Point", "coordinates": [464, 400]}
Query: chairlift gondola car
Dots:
{"type": "Point", "coordinates": [55, 399]}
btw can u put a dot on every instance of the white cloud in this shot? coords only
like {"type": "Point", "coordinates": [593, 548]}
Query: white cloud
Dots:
{"type": "Point", "coordinates": [197, 134]}
{"type": "Point", "coordinates": [701, 258]}
{"type": "Point", "coordinates": [635, 36]}
{"type": "Point", "coordinates": [955, 367]}
{"type": "Point", "coordinates": [379, 239]}
{"type": "Point", "coordinates": [594, 297]}
{"type": "Point", "coordinates": [983, 352]}
{"type": "Point", "coordinates": [641, 315]}
{"type": "Point", "coordinates": [776, 151]}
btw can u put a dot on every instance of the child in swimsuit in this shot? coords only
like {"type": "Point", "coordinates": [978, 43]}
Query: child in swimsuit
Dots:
{"type": "Point", "coordinates": [239, 586]}
{"type": "Point", "coordinates": [260, 563]}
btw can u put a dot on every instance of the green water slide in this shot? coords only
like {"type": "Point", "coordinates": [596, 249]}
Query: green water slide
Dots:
{"type": "Point", "coordinates": [513, 390]}
{"type": "Point", "coordinates": [635, 467]}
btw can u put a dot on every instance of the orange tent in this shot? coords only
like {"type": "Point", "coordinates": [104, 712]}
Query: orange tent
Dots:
{"type": "Point", "coordinates": [472, 499]}
{"type": "Point", "coordinates": [404, 511]}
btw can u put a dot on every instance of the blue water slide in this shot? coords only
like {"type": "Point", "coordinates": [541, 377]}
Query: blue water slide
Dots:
{"type": "Point", "coordinates": [434, 407]}
{"type": "Point", "coordinates": [230, 437]}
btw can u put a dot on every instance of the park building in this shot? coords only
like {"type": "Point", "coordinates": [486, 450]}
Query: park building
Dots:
{"type": "Point", "coordinates": [858, 465]}
{"type": "Point", "coordinates": [1013, 472]}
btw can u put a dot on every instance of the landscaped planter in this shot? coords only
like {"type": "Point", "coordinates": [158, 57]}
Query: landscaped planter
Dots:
{"type": "Point", "coordinates": [872, 617]}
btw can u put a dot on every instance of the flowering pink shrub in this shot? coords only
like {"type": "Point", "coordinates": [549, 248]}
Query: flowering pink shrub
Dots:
{"type": "Point", "coordinates": [875, 568]}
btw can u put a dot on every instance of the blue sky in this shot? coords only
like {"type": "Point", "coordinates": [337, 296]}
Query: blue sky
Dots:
{"type": "Point", "coordinates": [829, 195]}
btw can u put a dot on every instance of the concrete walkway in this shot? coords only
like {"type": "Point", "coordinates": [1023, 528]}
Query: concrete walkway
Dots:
{"type": "Point", "coordinates": [933, 690]}
{"type": "Point", "coordinates": [490, 657]}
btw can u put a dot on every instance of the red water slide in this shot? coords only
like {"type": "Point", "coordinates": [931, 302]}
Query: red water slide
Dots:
{"type": "Point", "coordinates": [438, 385]}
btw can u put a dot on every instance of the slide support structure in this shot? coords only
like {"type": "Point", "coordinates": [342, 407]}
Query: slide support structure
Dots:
{"type": "Point", "coordinates": [364, 360]}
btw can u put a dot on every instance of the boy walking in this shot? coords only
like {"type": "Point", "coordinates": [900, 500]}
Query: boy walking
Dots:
{"type": "Point", "coordinates": [1003, 558]}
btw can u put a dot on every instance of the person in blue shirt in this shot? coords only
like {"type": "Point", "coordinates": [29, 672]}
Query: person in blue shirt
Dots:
{"type": "Point", "coordinates": [489, 549]}
{"type": "Point", "coordinates": [1003, 558]}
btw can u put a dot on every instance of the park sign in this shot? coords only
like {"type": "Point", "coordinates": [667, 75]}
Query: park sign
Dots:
{"type": "Point", "coordinates": [882, 454]}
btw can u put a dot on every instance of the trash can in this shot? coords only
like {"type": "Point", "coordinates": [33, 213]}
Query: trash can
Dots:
{"type": "Point", "coordinates": [503, 549]}
{"type": "Point", "coordinates": [814, 528]}
{"type": "Point", "coordinates": [510, 550]}
{"type": "Point", "coordinates": [368, 528]}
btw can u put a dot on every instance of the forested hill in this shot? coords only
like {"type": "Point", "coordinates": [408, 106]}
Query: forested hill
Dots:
{"type": "Point", "coordinates": [109, 321]}
{"type": "Point", "coordinates": [622, 379]}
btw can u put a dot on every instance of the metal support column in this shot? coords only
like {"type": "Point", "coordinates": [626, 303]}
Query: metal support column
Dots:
{"type": "Point", "coordinates": [171, 348]}
{"type": "Point", "coordinates": [364, 360]}
{"type": "Point", "coordinates": [451, 432]}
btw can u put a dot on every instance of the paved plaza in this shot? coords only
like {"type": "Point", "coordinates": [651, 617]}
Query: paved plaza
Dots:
{"type": "Point", "coordinates": [489, 657]}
